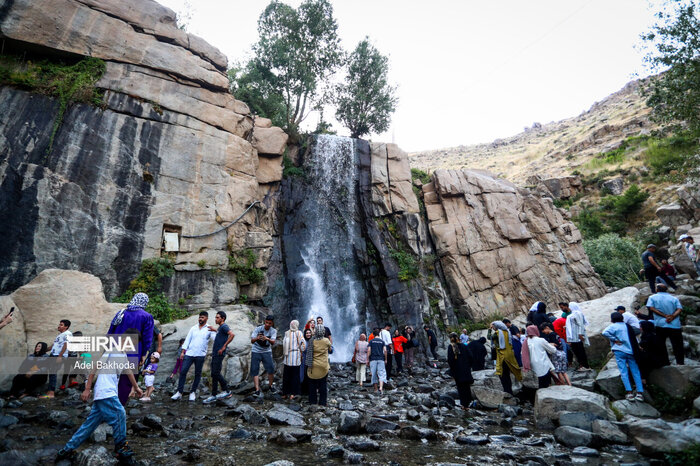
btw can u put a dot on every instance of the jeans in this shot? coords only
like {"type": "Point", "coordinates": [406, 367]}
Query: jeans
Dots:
{"type": "Point", "coordinates": [108, 410]}
{"type": "Point", "coordinates": [198, 363]}
{"type": "Point", "coordinates": [676, 336]}
{"type": "Point", "coordinates": [54, 367]}
{"type": "Point", "coordinates": [378, 371]}
{"type": "Point", "coordinates": [265, 359]}
{"type": "Point", "coordinates": [625, 360]}
{"type": "Point", "coordinates": [318, 391]}
{"type": "Point", "coordinates": [216, 377]}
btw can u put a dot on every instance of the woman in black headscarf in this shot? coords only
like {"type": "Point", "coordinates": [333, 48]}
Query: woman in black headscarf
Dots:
{"type": "Point", "coordinates": [32, 373]}
{"type": "Point", "coordinates": [651, 349]}
{"type": "Point", "coordinates": [459, 360]}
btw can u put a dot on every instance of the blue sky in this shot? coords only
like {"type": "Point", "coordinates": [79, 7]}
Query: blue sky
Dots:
{"type": "Point", "coordinates": [469, 71]}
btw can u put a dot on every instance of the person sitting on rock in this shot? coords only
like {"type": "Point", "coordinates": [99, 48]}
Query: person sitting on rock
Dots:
{"type": "Point", "coordinates": [621, 343]}
{"type": "Point", "coordinates": [535, 354]}
{"type": "Point", "coordinates": [653, 269]}
{"type": "Point", "coordinates": [459, 360]}
{"type": "Point", "coordinates": [692, 250]}
{"type": "Point", "coordinates": [666, 310]}
{"type": "Point", "coordinates": [505, 358]}
{"type": "Point", "coordinates": [32, 373]}
{"type": "Point", "coordinates": [106, 407]}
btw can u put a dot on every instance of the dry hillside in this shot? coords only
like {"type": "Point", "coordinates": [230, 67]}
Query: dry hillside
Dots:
{"type": "Point", "coordinates": [553, 149]}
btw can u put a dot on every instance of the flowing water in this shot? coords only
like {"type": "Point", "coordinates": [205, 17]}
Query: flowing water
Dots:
{"type": "Point", "coordinates": [327, 282]}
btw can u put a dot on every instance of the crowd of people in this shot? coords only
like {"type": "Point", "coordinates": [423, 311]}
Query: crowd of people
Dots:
{"type": "Point", "coordinates": [547, 347]}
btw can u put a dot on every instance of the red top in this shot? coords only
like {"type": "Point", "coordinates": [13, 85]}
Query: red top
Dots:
{"type": "Point", "coordinates": [560, 327]}
{"type": "Point", "coordinates": [371, 337]}
{"type": "Point", "coordinates": [398, 343]}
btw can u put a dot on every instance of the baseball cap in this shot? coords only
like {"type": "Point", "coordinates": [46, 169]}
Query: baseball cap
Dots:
{"type": "Point", "coordinates": [620, 308]}
{"type": "Point", "coordinates": [651, 245]}
{"type": "Point", "coordinates": [682, 237]}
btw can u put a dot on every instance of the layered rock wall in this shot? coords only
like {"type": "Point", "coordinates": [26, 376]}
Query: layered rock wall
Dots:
{"type": "Point", "coordinates": [502, 248]}
{"type": "Point", "coordinates": [170, 149]}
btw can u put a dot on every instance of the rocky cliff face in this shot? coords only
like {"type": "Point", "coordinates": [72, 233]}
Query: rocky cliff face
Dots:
{"type": "Point", "coordinates": [169, 150]}
{"type": "Point", "coordinates": [503, 248]}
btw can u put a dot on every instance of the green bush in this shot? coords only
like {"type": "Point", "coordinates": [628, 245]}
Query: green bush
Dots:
{"type": "Point", "coordinates": [630, 201]}
{"type": "Point", "coordinates": [289, 169]}
{"type": "Point", "coordinates": [617, 260]}
{"type": "Point", "coordinates": [243, 264]}
{"type": "Point", "coordinates": [150, 281]}
{"type": "Point", "coordinates": [418, 174]}
{"type": "Point", "coordinates": [690, 455]}
{"type": "Point", "coordinates": [408, 266]}
{"type": "Point", "coordinates": [590, 223]}
{"type": "Point", "coordinates": [663, 156]}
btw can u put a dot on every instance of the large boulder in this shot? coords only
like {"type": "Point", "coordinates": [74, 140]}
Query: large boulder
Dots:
{"type": "Point", "coordinates": [598, 312]}
{"type": "Point", "coordinates": [549, 402]}
{"type": "Point", "coordinates": [609, 382]}
{"type": "Point", "coordinates": [654, 437]}
{"type": "Point", "coordinates": [676, 381]}
{"type": "Point", "coordinates": [502, 247]}
{"type": "Point", "coordinates": [635, 408]}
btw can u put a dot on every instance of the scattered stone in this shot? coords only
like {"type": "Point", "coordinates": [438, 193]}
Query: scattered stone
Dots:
{"type": "Point", "coordinates": [487, 397]}
{"type": "Point", "coordinates": [100, 434]}
{"type": "Point", "coordinates": [412, 415]}
{"type": "Point", "coordinates": [520, 431]}
{"type": "Point", "coordinates": [549, 402]}
{"type": "Point", "coordinates": [656, 436]}
{"type": "Point", "coordinates": [362, 444]}
{"type": "Point", "coordinates": [354, 458]}
{"type": "Point", "coordinates": [183, 424]}
{"type": "Point", "coordinates": [8, 420]}
{"type": "Point", "coordinates": [376, 425]}
{"type": "Point", "coordinates": [573, 437]}
{"type": "Point", "coordinates": [350, 423]}
{"type": "Point", "coordinates": [94, 456]}
{"type": "Point", "coordinates": [579, 420]}
{"type": "Point", "coordinates": [153, 421]}
{"type": "Point", "coordinates": [503, 438]}
{"type": "Point", "coordinates": [417, 433]}
{"type": "Point", "coordinates": [510, 411]}
{"type": "Point", "coordinates": [472, 439]}
{"type": "Point", "coordinates": [58, 417]}
{"type": "Point", "coordinates": [281, 415]}
{"type": "Point", "coordinates": [585, 451]}
{"type": "Point", "coordinates": [636, 409]}
{"type": "Point", "coordinates": [241, 434]}
{"type": "Point", "coordinates": [346, 406]}
{"type": "Point", "coordinates": [336, 452]}
{"type": "Point", "coordinates": [300, 435]}
{"type": "Point", "coordinates": [609, 432]}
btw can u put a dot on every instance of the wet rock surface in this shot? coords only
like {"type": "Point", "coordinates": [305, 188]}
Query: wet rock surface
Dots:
{"type": "Point", "coordinates": [379, 429]}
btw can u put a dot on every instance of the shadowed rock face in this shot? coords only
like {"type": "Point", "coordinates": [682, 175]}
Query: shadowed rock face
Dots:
{"type": "Point", "coordinates": [168, 147]}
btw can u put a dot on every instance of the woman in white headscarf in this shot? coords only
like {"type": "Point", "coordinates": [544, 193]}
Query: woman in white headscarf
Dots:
{"type": "Point", "coordinates": [576, 335]}
{"type": "Point", "coordinates": [505, 358]}
{"type": "Point", "coordinates": [294, 346]}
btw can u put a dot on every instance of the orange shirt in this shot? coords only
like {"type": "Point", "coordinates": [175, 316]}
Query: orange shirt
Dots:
{"type": "Point", "coordinates": [398, 343]}
{"type": "Point", "coordinates": [371, 337]}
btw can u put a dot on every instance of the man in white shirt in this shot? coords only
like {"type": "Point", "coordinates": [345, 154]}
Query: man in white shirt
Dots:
{"type": "Point", "coordinates": [629, 319]}
{"type": "Point", "coordinates": [59, 350]}
{"type": "Point", "coordinates": [194, 350]}
{"type": "Point", "coordinates": [106, 407]}
{"type": "Point", "coordinates": [385, 335]}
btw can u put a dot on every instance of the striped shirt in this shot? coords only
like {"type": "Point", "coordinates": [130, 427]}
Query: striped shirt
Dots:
{"type": "Point", "coordinates": [294, 345]}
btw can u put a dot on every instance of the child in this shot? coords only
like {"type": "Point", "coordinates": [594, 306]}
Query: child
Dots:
{"type": "Point", "coordinates": [105, 408]}
{"type": "Point", "coordinates": [559, 359]}
{"type": "Point", "coordinates": [149, 375]}
{"type": "Point", "coordinates": [178, 363]}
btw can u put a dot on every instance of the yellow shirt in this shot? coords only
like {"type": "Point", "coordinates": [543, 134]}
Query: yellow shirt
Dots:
{"type": "Point", "coordinates": [320, 366]}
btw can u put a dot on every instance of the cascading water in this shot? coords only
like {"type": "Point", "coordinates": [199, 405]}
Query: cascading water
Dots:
{"type": "Point", "coordinates": [320, 241]}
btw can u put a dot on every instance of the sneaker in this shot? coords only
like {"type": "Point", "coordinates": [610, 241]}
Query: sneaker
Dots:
{"type": "Point", "coordinates": [639, 397]}
{"type": "Point", "coordinates": [145, 398]}
{"type": "Point", "coordinates": [629, 397]}
{"type": "Point", "coordinates": [209, 400]}
{"type": "Point", "coordinates": [257, 393]}
{"type": "Point", "coordinates": [224, 395]}
{"type": "Point", "coordinates": [124, 454]}
{"type": "Point", "coordinates": [62, 387]}
{"type": "Point", "coordinates": [176, 396]}
{"type": "Point", "coordinates": [64, 454]}
{"type": "Point", "coordinates": [73, 384]}
{"type": "Point", "coordinates": [193, 396]}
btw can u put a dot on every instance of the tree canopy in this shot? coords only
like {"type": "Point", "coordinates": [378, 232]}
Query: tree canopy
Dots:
{"type": "Point", "coordinates": [296, 53]}
{"type": "Point", "coordinates": [366, 101]}
{"type": "Point", "coordinates": [675, 47]}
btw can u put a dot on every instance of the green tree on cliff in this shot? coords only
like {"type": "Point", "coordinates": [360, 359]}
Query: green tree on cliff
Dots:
{"type": "Point", "coordinates": [296, 53]}
{"type": "Point", "coordinates": [366, 100]}
{"type": "Point", "coordinates": [674, 43]}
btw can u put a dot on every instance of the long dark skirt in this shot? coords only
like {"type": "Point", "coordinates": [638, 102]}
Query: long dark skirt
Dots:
{"type": "Point", "coordinates": [465, 393]}
{"type": "Point", "coordinates": [22, 384]}
{"type": "Point", "coordinates": [291, 385]}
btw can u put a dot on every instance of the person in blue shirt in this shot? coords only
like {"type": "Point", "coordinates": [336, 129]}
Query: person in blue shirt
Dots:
{"type": "Point", "coordinates": [620, 341]}
{"type": "Point", "coordinates": [666, 310]}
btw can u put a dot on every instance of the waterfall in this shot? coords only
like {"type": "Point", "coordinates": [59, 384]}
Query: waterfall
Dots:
{"type": "Point", "coordinates": [320, 241]}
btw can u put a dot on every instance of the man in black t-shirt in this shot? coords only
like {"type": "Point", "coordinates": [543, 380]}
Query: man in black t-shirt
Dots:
{"type": "Point", "coordinates": [326, 330]}
{"type": "Point", "coordinates": [224, 335]}
{"type": "Point", "coordinates": [376, 350]}
{"type": "Point", "coordinates": [432, 341]}
{"type": "Point", "coordinates": [652, 268]}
